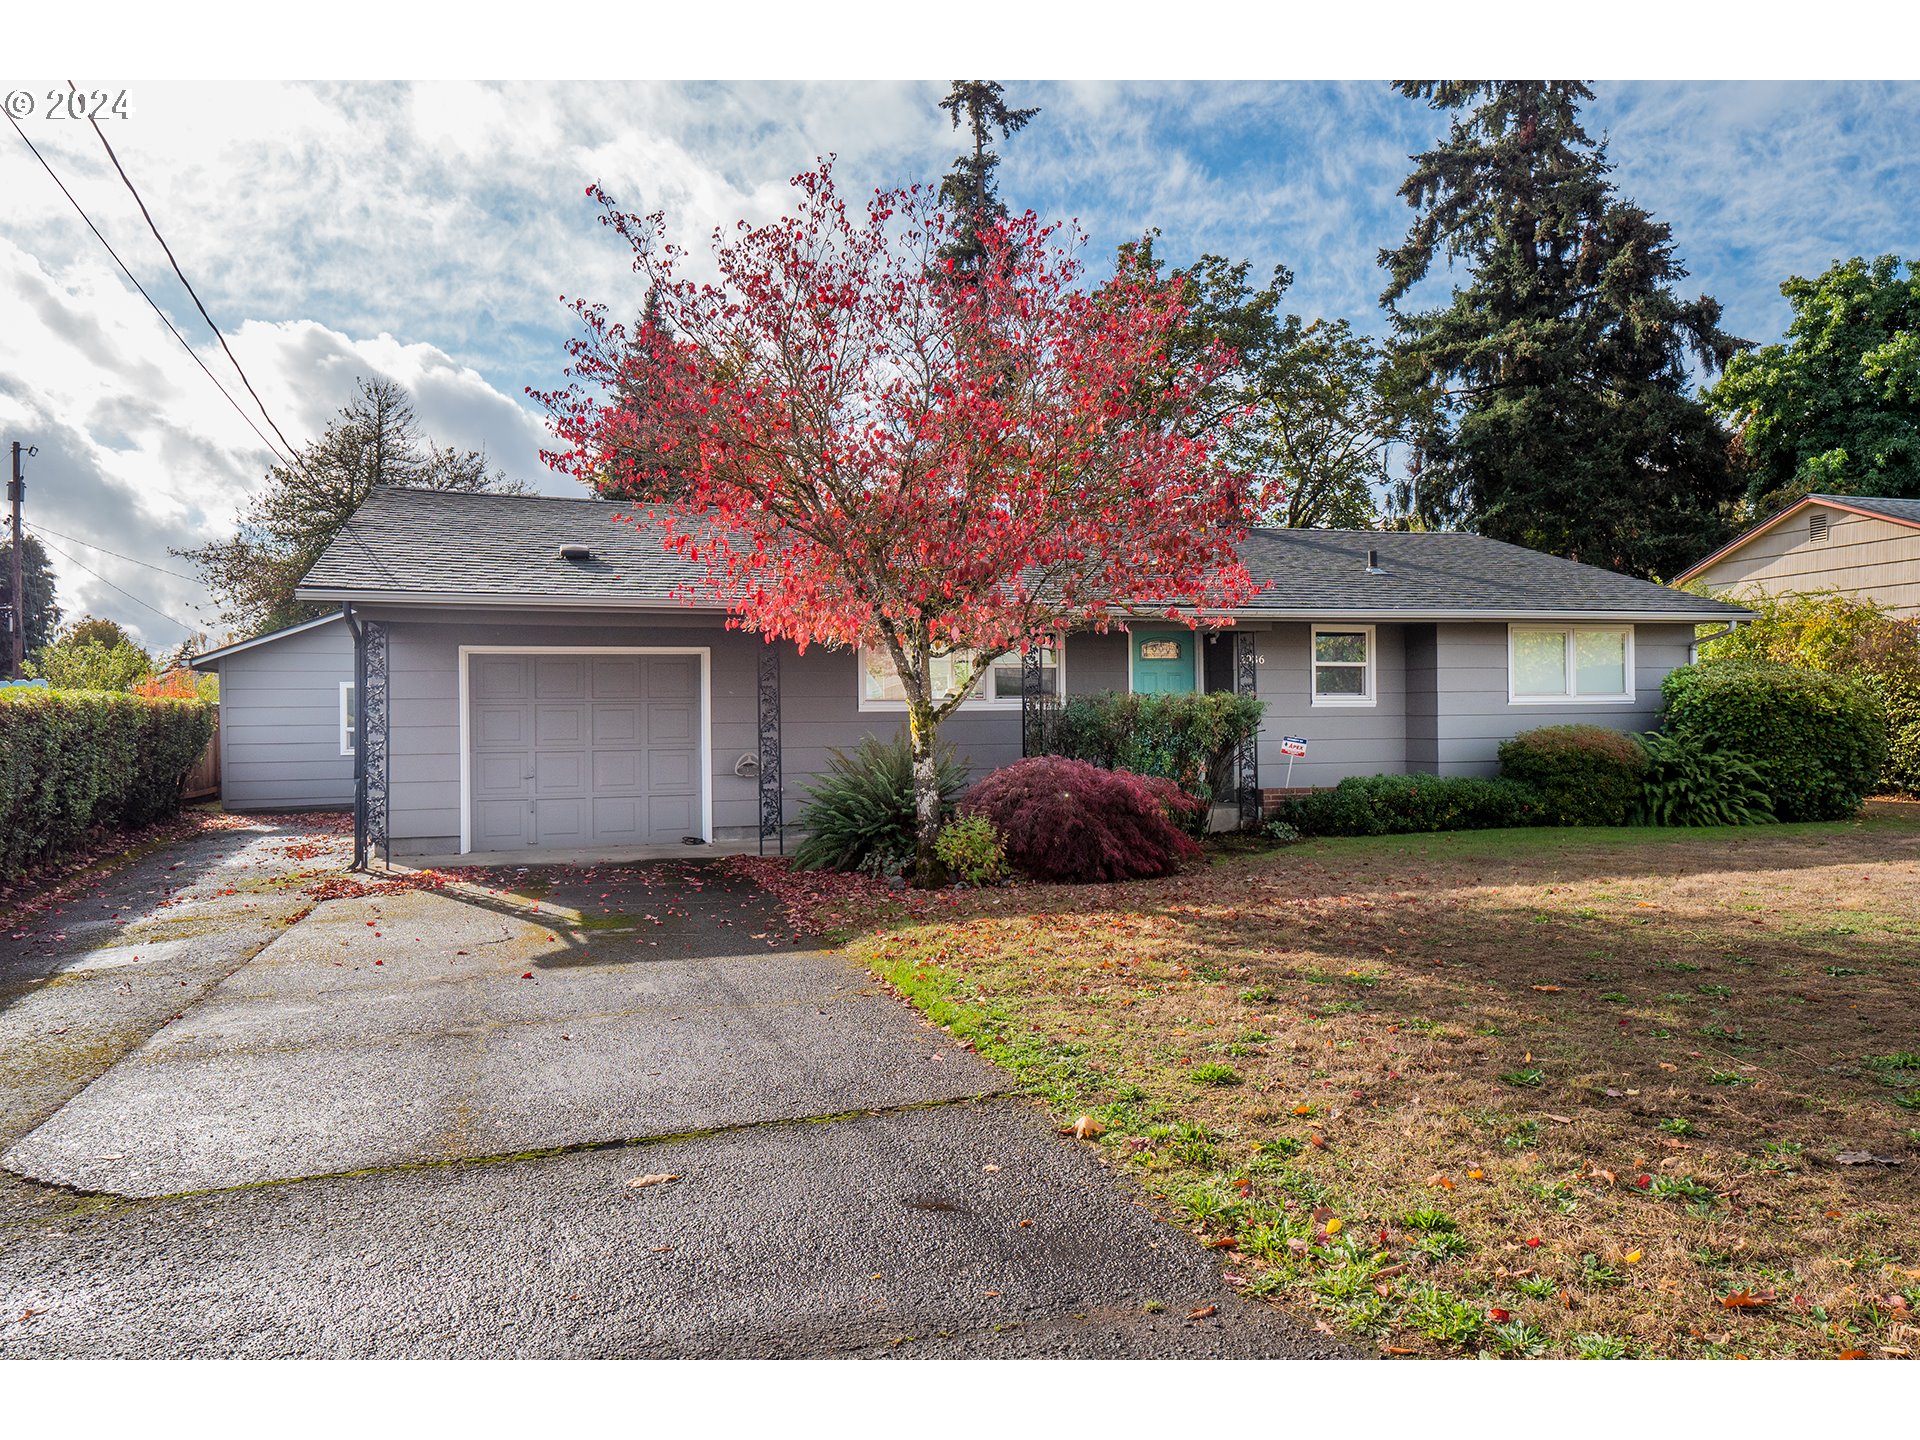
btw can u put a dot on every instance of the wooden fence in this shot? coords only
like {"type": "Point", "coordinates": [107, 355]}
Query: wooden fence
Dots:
{"type": "Point", "coordinates": [203, 780]}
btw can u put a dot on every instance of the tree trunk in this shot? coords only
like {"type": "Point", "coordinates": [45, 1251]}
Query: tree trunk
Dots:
{"type": "Point", "coordinates": [922, 733]}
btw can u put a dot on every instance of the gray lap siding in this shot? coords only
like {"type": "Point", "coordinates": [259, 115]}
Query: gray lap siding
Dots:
{"type": "Point", "coordinates": [280, 723]}
{"type": "Point", "coordinates": [1473, 714]}
{"type": "Point", "coordinates": [1440, 705]}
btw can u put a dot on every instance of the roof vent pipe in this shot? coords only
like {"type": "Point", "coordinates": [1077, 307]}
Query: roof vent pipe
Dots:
{"type": "Point", "coordinates": [1373, 563]}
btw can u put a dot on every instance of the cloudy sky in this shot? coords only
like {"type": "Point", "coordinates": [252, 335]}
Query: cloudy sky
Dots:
{"type": "Point", "coordinates": [427, 232]}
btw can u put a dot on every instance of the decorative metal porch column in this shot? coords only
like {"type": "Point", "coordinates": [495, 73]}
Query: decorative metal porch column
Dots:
{"type": "Point", "coordinates": [373, 739]}
{"type": "Point", "coordinates": [1037, 705]}
{"type": "Point", "coordinates": [1246, 660]}
{"type": "Point", "coordinates": [772, 812]}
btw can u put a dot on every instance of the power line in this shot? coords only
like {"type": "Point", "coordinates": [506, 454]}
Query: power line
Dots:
{"type": "Point", "coordinates": [184, 281]}
{"type": "Point", "coordinates": [40, 529]}
{"type": "Point", "coordinates": [190, 629]}
{"type": "Point", "coordinates": [192, 353]}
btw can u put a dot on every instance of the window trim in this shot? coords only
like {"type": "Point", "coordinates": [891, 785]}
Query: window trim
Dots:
{"type": "Point", "coordinates": [1368, 669]}
{"type": "Point", "coordinates": [348, 737]}
{"type": "Point", "coordinates": [978, 700]}
{"type": "Point", "coordinates": [1569, 631]}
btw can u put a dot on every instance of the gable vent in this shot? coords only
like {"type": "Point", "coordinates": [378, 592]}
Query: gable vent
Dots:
{"type": "Point", "coordinates": [575, 552]}
{"type": "Point", "coordinates": [1817, 527]}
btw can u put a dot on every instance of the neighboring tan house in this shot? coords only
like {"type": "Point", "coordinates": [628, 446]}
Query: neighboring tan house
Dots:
{"type": "Point", "coordinates": [527, 675]}
{"type": "Point", "coordinates": [1845, 544]}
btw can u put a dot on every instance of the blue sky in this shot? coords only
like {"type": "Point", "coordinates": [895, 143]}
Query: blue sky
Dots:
{"type": "Point", "coordinates": [428, 230]}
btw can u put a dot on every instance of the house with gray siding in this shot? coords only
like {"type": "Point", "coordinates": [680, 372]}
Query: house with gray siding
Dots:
{"type": "Point", "coordinates": [286, 717]}
{"type": "Point", "coordinates": [535, 678]}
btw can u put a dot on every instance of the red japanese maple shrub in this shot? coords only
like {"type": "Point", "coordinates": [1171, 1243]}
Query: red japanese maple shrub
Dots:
{"type": "Point", "coordinates": [1069, 820]}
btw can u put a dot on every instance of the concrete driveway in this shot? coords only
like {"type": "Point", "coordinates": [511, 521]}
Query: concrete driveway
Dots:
{"type": "Point", "coordinates": [407, 1124]}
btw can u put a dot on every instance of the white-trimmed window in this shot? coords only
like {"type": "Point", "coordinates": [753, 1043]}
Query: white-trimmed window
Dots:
{"type": "Point", "coordinates": [1564, 664]}
{"type": "Point", "coordinates": [349, 717]}
{"type": "Point", "coordinates": [1343, 665]}
{"type": "Point", "coordinates": [880, 687]}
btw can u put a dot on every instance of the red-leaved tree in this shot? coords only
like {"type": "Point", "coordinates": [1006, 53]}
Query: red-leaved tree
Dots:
{"type": "Point", "coordinates": [858, 446]}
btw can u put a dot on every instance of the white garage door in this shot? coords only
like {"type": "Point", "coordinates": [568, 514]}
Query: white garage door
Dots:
{"type": "Point", "coordinates": [583, 750]}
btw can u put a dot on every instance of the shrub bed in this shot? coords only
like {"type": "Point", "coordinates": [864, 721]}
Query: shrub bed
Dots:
{"type": "Point", "coordinates": [860, 814]}
{"type": "Point", "coordinates": [1819, 741]}
{"type": "Point", "coordinates": [1411, 804]}
{"type": "Point", "coordinates": [72, 762]}
{"type": "Point", "coordinates": [1687, 783]}
{"type": "Point", "coordinates": [1063, 819]}
{"type": "Point", "coordinates": [1184, 738]}
{"type": "Point", "coordinates": [1583, 774]}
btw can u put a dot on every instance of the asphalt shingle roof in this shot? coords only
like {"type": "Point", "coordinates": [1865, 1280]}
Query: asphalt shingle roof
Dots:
{"type": "Point", "coordinates": [436, 545]}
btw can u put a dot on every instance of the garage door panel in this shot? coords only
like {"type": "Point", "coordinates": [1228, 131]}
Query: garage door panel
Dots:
{"type": "Point", "coordinates": [559, 725]}
{"type": "Point", "coordinates": [674, 678]}
{"type": "Point", "coordinates": [616, 770]}
{"type": "Point", "coordinates": [576, 751]}
{"type": "Point", "coordinates": [672, 772]}
{"type": "Point", "coordinates": [499, 825]}
{"type": "Point", "coordinates": [500, 726]}
{"type": "Point", "coordinates": [559, 679]}
{"type": "Point", "coordinates": [669, 724]}
{"type": "Point", "coordinates": [500, 774]}
{"type": "Point", "coordinates": [499, 677]}
{"type": "Point", "coordinates": [620, 819]}
{"type": "Point", "coordinates": [559, 772]}
{"type": "Point", "coordinates": [616, 724]}
{"type": "Point", "coordinates": [669, 817]}
{"type": "Point", "coordinates": [561, 823]}
{"type": "Point", "coordinates": [616, 678]}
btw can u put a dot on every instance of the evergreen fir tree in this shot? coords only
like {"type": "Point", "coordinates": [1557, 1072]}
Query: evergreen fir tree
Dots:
{"type": "Point", "coordinates": [1552, 392]}
{"type": "Point", "coordinates": [968, 190]}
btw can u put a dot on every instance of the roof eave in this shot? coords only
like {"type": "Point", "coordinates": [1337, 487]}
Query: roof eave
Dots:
{"type": "Point", "coordinates": [213, 657]}
{"type": "Point", "coordinates": [1706, 611]}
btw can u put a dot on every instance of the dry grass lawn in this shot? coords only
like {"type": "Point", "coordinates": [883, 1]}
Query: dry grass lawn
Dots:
{"type": "Point", "coordinates": [1587, 1093]}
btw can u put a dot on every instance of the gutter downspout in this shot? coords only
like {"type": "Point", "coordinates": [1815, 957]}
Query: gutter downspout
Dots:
{"type": "Point", "coordinates": [1693, 646]}
{"type": "Point", "coordinates": [359, 750]}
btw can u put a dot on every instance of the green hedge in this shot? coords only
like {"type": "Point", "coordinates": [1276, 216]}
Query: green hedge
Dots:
{"type": "Point", "coordinates": [1585, 774]}
{"type": "Point", "coordinates": [1411, 804]}
{"type": "Point", "coordinates": [1819, 741]}
{"type": "Point", "coordinates": [1182, 738]}
{"type": "Point", "coordinates": [74, 761]}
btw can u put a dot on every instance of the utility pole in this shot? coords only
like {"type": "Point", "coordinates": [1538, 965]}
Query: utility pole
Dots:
{"type": "Point", "coordinates": [16, 585]}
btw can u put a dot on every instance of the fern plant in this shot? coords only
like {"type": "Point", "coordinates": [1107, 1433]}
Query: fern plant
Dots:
{"type": "Point", "coordinates": [1687, 783]}
{"type": "Point", "coordinates": [859, 815]}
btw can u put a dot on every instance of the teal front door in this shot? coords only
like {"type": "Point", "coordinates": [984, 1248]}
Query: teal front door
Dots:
{"type": "Point", "coordinates": [1163, 662]}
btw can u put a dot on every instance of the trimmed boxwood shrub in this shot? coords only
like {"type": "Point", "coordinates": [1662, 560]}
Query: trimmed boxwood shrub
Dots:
{"type": "Point", "coordinates": [1584, 774]}
{"type": "Point", "coordinates": [859, 815]}
{"type": "Point", "coordinates": [76, 761]}
{"type": "Point", "coordinates": [1819, 741]}
{"type": "Point", "coordinates": [1411, 804]}
{"type": "Point", "coordinates": [1185, 738]}
{"type": "Point", "coordinates": [1070, 820]}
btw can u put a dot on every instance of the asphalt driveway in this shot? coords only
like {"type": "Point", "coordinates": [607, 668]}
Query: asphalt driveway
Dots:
{"type": "Point", "coordinates": [407, 1124]}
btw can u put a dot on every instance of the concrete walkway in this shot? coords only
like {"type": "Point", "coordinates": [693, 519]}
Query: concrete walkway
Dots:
{"type": "Point", "coordinates": [408, 1125]}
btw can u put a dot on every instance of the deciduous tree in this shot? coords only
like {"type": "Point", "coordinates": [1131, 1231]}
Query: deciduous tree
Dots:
{"type": "Point", "coordinates": [1555, 402]}
{"type": "Point", "coordinates": [1308, 401]}
{"type": "Point", "coordinates": [860, 452]}
{"type": "Point", "coordinates": [374, 440]}
{"type": "Point", "coordinates": [1835, 406]}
